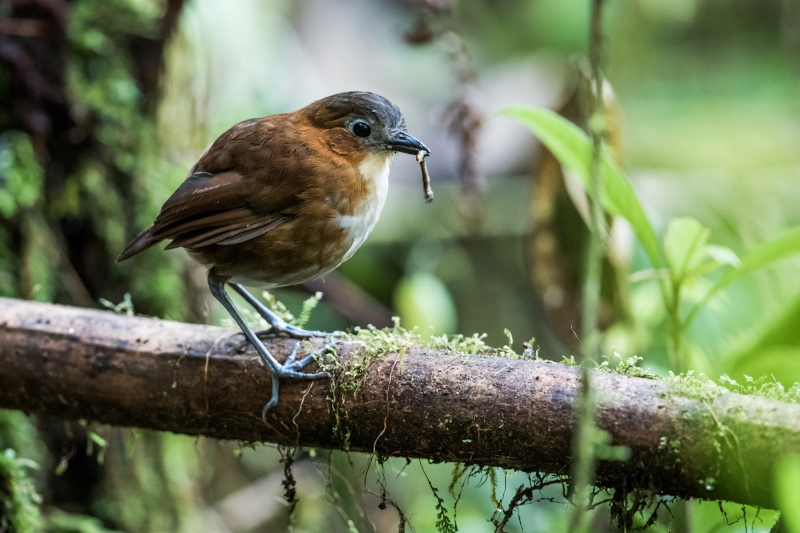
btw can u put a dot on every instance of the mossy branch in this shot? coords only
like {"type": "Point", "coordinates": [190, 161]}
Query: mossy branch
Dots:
{"type": "Point", "coordinates": [684, 438]}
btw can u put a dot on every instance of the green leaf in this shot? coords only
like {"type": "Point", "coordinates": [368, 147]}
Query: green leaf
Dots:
{"type": "Point", "coordinates": [570, 145]}
{"type": "Point", "coordinates": [781, 362]}
{"type": "Point", "coordinates": [685, 245]}
{"type": "Point", "coordinates": [723, 255]}
{"type": "Point", "coordinates": [787, 479]}
{"type": "Point", "coordinates": [761, 256]}
{"type": "Point", "coordinates": [764, 255]}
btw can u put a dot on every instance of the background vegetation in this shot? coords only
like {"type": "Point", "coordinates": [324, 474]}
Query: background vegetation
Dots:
{"type": "Point", "coordinates": [118, 98]}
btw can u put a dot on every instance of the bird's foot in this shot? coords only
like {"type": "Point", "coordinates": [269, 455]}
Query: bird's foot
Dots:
{"type": "Point", "coordinates": [290, 369]}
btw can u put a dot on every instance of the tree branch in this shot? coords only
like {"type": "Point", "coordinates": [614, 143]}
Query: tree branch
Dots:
{"type": "Point", "coordinates": [202, 380]}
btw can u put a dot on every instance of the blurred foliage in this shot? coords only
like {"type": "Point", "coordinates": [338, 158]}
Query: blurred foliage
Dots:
{"type": "Point", "coordinates": [788, 479]}
{"type": "Point", "coordinates": [427, 303]}
{"type": "Point", "coordinates": [121, 179]}
{"type": "Point", "coordinates": [19, 501]}
{"type": "Point", "coordinates": [61, 522]}
{"type": "Point", "coordinates": [67, 203]}
{"type": "Point", "coordinates": [75, 176]}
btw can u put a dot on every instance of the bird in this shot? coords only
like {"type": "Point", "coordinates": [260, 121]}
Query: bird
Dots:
{"type": "Point", "coordinates": [282, 200]}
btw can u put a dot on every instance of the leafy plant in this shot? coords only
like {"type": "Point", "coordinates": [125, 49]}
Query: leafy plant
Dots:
{"type": "Point", "coordinates": [685, 256]}
{"type": "Point", "coordinates": [571, 146]}
{"type": "Point", "coordinates": [690, 257]}
{"type": "Point", "coordinates": [443, 522]}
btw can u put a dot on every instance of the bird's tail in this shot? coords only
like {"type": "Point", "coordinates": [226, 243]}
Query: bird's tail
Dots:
{"type": "Point", "coordinates": [140, 243]}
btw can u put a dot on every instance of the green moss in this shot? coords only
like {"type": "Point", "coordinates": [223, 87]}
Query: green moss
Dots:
{"type": "Point", "coordinates": [19, 500]}
{"type": "Point", "coordinates": [627, 366]}
{"type": "Point", "coordinates": [763, 388]}
{"type": "Point", "coordinates": [701, 387]}
{"type": "Point", "coordinates": [22, 175]}
{"type": "Point", "coordinates": [672, 446]}
{"type": "Point", "coordinates": [372, 343]}
{"type": "Point", "coordinates": [20, 452]}
{"type": "Point", "coordinates": [698, 387]}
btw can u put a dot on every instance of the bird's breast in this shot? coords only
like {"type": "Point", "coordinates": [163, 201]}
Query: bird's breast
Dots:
{"type": "Point", "coordinates": [374, 170]}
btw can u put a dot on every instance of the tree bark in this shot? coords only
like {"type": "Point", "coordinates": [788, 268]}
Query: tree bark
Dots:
{"type": "Point", "coordinates": [202, 380]}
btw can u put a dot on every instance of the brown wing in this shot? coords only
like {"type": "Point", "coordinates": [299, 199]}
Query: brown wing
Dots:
{"type": "Point", "coordinates": [219, 209]}
{"type": "Point", "coordinates": [236, 192]}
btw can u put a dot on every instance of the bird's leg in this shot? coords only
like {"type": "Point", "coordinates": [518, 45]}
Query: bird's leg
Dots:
{"type": "Point", "coordinates": [278, 324]}
{"type": "Point", "coordinates": [289, 369]}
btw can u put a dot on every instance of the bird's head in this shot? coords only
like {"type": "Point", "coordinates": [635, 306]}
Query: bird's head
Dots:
{"type": "Point", "coordinates": [358, 124]}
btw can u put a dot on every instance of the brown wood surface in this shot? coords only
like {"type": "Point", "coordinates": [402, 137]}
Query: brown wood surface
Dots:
{"type": "Point", "coordinates": [131, 371]}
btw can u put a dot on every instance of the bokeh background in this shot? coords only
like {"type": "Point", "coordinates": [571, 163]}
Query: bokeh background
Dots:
{"type": "Point", "coordinates": [105, 105]}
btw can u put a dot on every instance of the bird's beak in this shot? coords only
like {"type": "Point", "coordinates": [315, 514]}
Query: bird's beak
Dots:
{"type": "Point", "coordinates": [403, 142]}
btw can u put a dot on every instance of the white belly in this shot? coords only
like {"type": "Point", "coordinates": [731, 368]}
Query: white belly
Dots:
{"type": "Point", "coordinates": [359, 225]}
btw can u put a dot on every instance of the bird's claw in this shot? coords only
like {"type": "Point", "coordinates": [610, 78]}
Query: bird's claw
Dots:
{"type": "Point", "coordinates": [291, 365]}
{"type": "Point", "coordinates": [291, 369]}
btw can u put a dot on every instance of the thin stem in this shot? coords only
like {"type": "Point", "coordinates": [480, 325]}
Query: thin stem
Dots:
{"type": "Point", "coordinates": [677, 326]}
{"type": "Point", "coordinates": [584, 440]}
{"type": "Point", "coordinates": [596, 126]}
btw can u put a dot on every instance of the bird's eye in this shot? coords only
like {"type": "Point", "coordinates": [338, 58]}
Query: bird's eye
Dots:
{"type": "Point", "coordinates": [362, 129]}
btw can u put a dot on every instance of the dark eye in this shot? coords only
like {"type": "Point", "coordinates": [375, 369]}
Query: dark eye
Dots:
{"type": "Point", "coordinates": [362, 129]}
